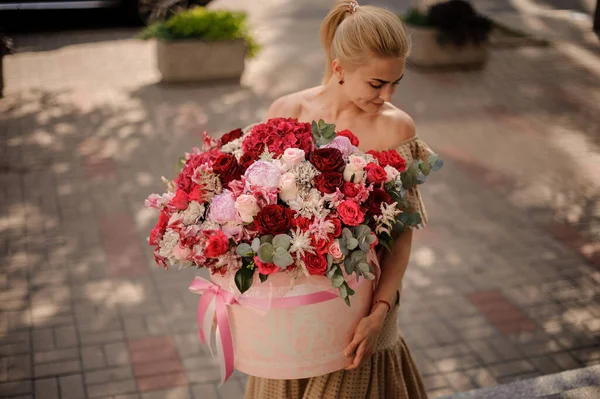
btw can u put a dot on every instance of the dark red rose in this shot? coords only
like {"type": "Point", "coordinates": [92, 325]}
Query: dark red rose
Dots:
{"type": "Point", "coordinates": [265, 268]}
{"type": "Point", "coordinates": [350, 190]}
{"type": "Point", "coordinates": [327, 159]}
{"type": "Point", "coordinates": [180, 201]}
{"type": "Point", "coordinates": [375, 173]}
{"type": "Point", "coordinates": [229, 137]}
{"type": "Point", "coordinates": [274, 219]}
{"type": "Point", "coordinates": [347, 133]}
{"type": "Point", "coordinates": [158, 230]}
{"type": "Point", "coordinates": [227, 167]}
{"type": "Point", "coordinates": [246, 160]}
{"type": "Point", "coordinates": [327, 182]}
{"type": "Point", "coordinates": [315, 264]}
{"type": "Point", "coordinates": [217, 245]}
{"type": "Point", "coordinates": [376, 198]}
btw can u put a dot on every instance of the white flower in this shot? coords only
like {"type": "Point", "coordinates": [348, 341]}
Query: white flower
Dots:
{"type": "Point", "coordinates": [310, 204]}
{"type": "Point", "coordinates": [392, 173]}
{"type": "Point", "coordinates": [301, 243]}
{"type": "Point", "coordinates": [320, 228]}
{"type": "Point", "coordinates": [287, 186]}
{"type": "Point", "coordinates": [247, 207]}
{"type": "Point", "coordinates": [232, 146]}
{"type": "Point", "coordinates": [194, 211]}
{"type": "Point", "coordinates": [167, 244]}
{"type": "Point", "coordinates": [353, 174]}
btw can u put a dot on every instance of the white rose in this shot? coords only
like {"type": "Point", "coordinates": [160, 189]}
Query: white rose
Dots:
{"type": "Point", "coordinates": [392, 173]}
{"type": "Point", "coordinates": [247, 207]}
{"type": "Point", "coordinates": [353, 174]}
{"type": "Point", "coordinates": [357, 161]}
{"type": "Point", "coordinates": [293, 156]}
{"type": "Point", "coordinates": [287, 186]}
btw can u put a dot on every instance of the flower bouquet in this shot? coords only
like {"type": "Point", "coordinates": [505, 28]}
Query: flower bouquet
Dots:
{"type": "Point", "coordinates": [283, 198]}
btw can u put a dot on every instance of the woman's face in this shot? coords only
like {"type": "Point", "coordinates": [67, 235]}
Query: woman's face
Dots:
{"type": "Point", "coordinates": [370, 85]}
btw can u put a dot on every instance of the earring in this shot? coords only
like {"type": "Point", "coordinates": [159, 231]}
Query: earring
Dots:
{"type": "Point", "coordinates": [341, 81]}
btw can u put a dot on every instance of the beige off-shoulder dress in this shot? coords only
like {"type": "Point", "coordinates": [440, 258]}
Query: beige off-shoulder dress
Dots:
{"type": "Point", "coordinates": [390, 373]}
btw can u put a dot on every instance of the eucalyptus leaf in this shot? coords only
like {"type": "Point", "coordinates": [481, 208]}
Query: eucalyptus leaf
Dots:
{"type": "Point", "coordinates": [263, 277]}
{"type": "Point", "coordinates": [337, 281]}
{"type": "Point", "coordinates": [364, 245]}
{"type": "Point", "coordinates": [266, 238]}
{"type": "Point", "coordinates": [244, 250]}
{"type": "Point", "coordinates": [370, 239]}
{"type": "Point", "coordinates": [348, 266]}
{"type": "Point", "coordinates": [351, 243]}
{"type": "Point", "coordinates": [421, 178]}
{"type": "Point", "coordinates": [265, 253]}
{"type": "Point", "coordinates": [344, 290]}
{"type": "Point", "coordinates": [330, 272]}
{"type": "Point", "coordinates": [256, 244]}
{"type": "Point", "coordinates": [283, 260]}
{"type": "Point", "coordinates": [369, 276]}
{"type": "Point", "coordinates": [329, 260]}
{"type": "Point", "coordinates": [364, 267]}
{"type": "Point", "coordinates": [282, 241]}
{"type": "Point", "coordinates": [349, 290]}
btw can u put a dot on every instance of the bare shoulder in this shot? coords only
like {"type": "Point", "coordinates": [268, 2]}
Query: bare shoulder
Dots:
{"type": "Point", "coordinates": [289, 106]}
{"type": "Point", "coordinates": [398, 124]}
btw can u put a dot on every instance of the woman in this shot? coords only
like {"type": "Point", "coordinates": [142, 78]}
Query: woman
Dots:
{"type": "Point", "coordinates": [366, 52]}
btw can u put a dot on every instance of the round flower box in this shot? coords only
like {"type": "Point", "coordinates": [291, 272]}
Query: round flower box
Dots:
{"type": "Point", "coordinates": [298, 341]}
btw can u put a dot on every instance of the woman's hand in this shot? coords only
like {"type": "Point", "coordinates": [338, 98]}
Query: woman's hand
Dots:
{"type": "Point", "coordinates": [365, 337]}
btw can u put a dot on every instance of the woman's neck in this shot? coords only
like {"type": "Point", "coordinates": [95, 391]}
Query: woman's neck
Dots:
{"type": "Point", "coordinates": [335, 101]}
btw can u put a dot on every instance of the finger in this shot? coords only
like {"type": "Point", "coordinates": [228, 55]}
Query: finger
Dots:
{"type": "Point", "coordinates": [359, 357]}
{"type": "Point", "coordinates": [358, 338]}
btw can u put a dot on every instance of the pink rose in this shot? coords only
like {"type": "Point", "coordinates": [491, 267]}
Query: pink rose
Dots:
{"type": "Point", "coordinates": [247, 207]}
{"type": "Point", "coordinates": [262, 174]}
{"type": "Point", "coordinates": [293, 156]}
{"type": "Point", "coordinates": [357, 161]}
{"type": "Point", "coordinates": [350, 213]}
{"type": "Point", "coordinates": [222, 208]}
{"type": "Point", "coordinates": [287, 186]}
{"type": "Point", "coordinates": [181, 253]}
{"type": "Point", "coordinates": [336, 252]}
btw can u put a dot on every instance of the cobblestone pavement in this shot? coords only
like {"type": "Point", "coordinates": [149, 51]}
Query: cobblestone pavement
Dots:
{"type": "Point", "coordinates": [502, 284]}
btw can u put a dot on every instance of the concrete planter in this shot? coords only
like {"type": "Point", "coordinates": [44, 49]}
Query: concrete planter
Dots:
{"type": "Point", "coordinates": [199, 61]}
{"type": "Point", "coordinates": [427, 52]}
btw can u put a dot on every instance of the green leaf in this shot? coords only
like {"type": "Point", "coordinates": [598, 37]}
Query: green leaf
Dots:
{"type": "Point", "coordinates": [244, 250]}
{"type": "Point", "coordinates": [364, 267]}
{"type": "Point", "coordinates": [351, 243]}
{"type": "Point", "coordinates": [282, 258]}
{"type": "Point", "coordinates": [329, 260]}
{"type": "Point", "coordinates": [282, 241]}
{"type": "Point", "coordinates": [337, 281]}
{"type": "Point", "coordinates": [364, 245]}
{"type": "Point", "coordinates": [348, 266]}
{"type": "Point", "coordinates": [256, 244]}
{"type": "Point", "coordinates": [243, 279]}
{"type": "Point", "coordinates": [263, 277]}
{"type": "Point", "coordinates": [344, 290]}
{"type": "Point", "coordinates": [350, 290]}
{"type": "Point", "coordinates": [266, 238]}
{"type": "Point", "coordinates": [266, 252]}
{"type": "Point", "coordinates": [347, 300]}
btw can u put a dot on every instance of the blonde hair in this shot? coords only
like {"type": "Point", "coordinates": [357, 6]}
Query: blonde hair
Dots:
{"type": "Point", "coordinates": [354, 34]}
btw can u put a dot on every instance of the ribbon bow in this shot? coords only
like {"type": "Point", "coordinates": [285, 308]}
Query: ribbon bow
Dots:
{"type": "Point", "coordinates": [214, 299]}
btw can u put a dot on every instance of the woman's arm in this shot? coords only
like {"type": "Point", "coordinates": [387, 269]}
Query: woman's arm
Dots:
{"type": "Point", "coordinates": [393, 267]}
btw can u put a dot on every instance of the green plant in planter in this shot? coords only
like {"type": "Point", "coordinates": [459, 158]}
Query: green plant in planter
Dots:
{"type": "Point", "coordinates": [456, 21]}
{"type": "Point", "coordinates": [204, 24]}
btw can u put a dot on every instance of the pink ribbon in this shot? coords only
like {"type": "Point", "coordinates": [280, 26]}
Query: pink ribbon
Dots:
{"type": "Point", "coordinates": [215, 299]}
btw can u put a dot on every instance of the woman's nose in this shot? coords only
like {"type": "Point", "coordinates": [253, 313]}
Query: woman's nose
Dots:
{"type": "Point", "coordinates": [386, 94]}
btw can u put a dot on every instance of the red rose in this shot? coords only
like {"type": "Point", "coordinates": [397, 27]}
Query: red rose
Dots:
{"type": "Point", "coordinates": [350, 135]}
{"type": "Point", "coordinates": [350, 213]}
{"type": "Point", "coordinates": [227, 167]}
{"type": "Point", "coordinates": [158, 230]}
{"type": "Point", "coordinates": [265, 268]}
{"type": "Point", "coordinates": [327, 159]}
{"type": "Point", "coordinates": [321, 246]}
{"type": "Point", "coordinates": [217, 245]}
{"type": "Point", "coordinates": [350, 190]}
{"type": "Point", "coordinates": [375, 173]}
{"type": "Point", "coordinates": [302, 223]}
{"type": "Point", "coordinates": [327, 182]}
{"type": "Point", "coordinates": [395, 160]}
{"type": "Point", "coordinates": [376, 198]}
{"type": "Point", "coordinates": [229, 137]}
{"type": "Point", "coordinates": [338, 226]}
{"type": "Point", "coordinates": [180, 201]}
{"type": "Point", "coordinates": [315, 264]}
{"type": "Point", "coordinates": [274, 219]}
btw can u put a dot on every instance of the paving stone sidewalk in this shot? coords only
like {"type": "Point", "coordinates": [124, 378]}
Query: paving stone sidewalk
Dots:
{"type": "Point", "coordinates": [502, 285]}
